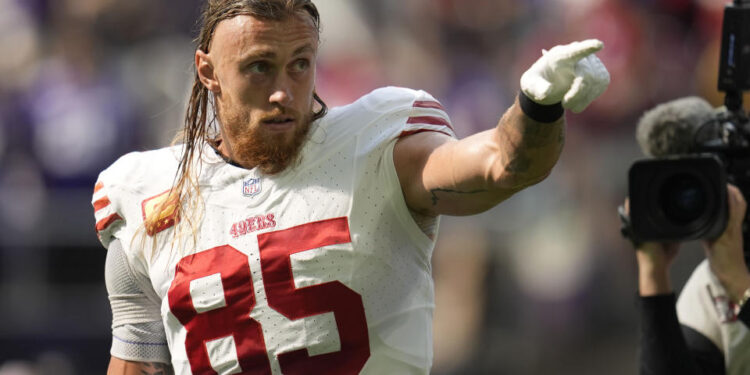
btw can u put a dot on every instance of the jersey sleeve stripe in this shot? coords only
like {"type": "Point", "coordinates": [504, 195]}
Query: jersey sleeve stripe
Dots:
{"type": "Point", "coordinates": [428, 104]}
{"type": "Point", "coordinates": [99, 185]}
{"type": "Point", "coordinates": [429, 120]}
{"type": "Point", "coordinates": [407, 133]}
{"type": "Point", "coordinates": [107, 221]}
{"type": "Point", "coordinates": [101, 203]}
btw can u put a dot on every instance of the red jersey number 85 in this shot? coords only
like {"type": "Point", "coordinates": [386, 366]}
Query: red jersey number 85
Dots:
{"type": "Point", "coordinates": [219, 323]}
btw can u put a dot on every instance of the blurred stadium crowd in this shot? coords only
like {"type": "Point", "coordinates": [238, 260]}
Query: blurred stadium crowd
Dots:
{"type": "Point", "coordinates": [541, 284]}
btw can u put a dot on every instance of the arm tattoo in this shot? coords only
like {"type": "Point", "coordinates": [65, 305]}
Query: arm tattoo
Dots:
{"type": "Point", "coordinates": [155, 368]}
{"type": "Point", "coordinates": [435, 198]}
{"type": "Point", "coordinates": [536, 135]}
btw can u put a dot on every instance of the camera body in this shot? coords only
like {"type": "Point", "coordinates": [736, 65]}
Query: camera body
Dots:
{"type": "Point", "coordinates": [683, 197]}
{"type": "Point", "coordinates": [678, 198]}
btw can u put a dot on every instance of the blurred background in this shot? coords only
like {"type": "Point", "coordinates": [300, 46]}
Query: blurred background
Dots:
{"type": "Point", "coordinates": [541, 284]}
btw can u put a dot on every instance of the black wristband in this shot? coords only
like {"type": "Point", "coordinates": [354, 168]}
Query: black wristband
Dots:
{"type": "Point", "coordinates": [540, 112]}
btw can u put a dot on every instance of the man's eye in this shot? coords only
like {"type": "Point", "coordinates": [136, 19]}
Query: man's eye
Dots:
{"type": "Point", "coordinates": [259, 67]}
{"type": "Point", "coordinates": [301, 65]}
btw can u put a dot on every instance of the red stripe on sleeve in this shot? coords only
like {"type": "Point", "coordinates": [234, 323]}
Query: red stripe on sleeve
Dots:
{"type": "Point", "coordinates": [407, 133]}
{"type": "Point", "coordinates": [99, 185]}
{"type": "Point", "coordinates": [106, 222]}
{"type": "Point", "coordinates": [431, 120]}
{"type": "Point", "coordinates": [101, 203]}
{"type": "Point", "coordinates": [428, 104]}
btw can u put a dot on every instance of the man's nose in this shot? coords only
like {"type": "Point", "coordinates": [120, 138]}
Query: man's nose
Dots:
{"type": "Point", "coordinates": [282, 91]}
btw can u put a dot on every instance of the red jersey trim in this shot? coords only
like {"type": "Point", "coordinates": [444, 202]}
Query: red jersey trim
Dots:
{"type": "Point", "coordinates": [106, 222]}
{"type": "Point", "coordinates": [429, 120]}
{"type": "Point", "coordinates": [428, 104]}
{"type": "Point", "coordinates": [101, 203]}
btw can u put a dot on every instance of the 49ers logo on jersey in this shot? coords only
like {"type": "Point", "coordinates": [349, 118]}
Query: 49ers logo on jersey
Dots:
{"type": "Point", "coordinates": [252, 224]}
{"type": "Point", "coordinates": [160, 212]}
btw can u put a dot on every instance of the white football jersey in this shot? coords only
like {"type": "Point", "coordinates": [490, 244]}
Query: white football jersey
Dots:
{"type": "Point", "coordinates": [318, 270]}
{"type": "Point", "coordinates": [705, 307]}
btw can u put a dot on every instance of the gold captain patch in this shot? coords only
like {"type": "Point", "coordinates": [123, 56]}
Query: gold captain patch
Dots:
{"type": "Point", "coordinates": [160, 212]}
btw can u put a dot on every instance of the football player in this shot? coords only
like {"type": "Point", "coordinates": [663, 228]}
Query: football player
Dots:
{"type": "Point", "coordinates": [295, 239]}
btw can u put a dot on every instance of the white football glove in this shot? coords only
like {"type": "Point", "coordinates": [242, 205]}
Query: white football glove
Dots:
{"type": "Point", "coordinates": [569, 73]}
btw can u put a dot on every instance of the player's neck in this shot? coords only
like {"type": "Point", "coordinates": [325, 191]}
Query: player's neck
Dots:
{"type": "Point", "coordinates": [225, 152]}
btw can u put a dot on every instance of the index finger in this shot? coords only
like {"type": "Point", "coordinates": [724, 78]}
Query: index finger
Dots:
{"type": "Point", "coordinates": [578, 50]}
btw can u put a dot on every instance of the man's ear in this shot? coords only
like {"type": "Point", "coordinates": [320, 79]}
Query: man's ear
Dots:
{"type": "Point", "coordinates": [204, 65]}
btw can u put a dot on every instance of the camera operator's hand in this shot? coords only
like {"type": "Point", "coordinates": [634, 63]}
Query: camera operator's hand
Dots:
{"type": "Point", "coordinates": [725, 254]}
{"type": "Point", "coordinates": [654, 260]}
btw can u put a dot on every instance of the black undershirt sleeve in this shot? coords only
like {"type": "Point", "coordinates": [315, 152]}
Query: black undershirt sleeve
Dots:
{"type": "Point", "coordinates": [667, 348]}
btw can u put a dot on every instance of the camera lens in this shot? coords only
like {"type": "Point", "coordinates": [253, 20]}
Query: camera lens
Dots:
{"type": "Point", "coordinates": [683, 198]}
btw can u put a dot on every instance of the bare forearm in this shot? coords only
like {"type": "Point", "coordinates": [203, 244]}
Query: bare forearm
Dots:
{"type": "Point", "coordinates": [466, 177]}
{"type": "Point", "coordinates": [475, 174]}
{"type": "Point", "coordinates": [119, 366]}
{"type": "Point", "coordinates": [527, 149]}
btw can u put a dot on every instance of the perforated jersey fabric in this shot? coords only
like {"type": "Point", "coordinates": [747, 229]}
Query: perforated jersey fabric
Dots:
{"type": "Point", "coordinates": [140, 342]}
{"type": "Point", "coordinates": [137, 330]}
{"type": "Point", "coordinates": [319, 269]}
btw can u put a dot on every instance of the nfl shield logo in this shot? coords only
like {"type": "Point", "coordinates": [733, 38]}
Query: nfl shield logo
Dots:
{"type": "Point", "coordinates": [251, 187]}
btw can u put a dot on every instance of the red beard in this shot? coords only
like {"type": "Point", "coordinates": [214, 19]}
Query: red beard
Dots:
{"type": "Point", "coordinates": [271, 153]}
